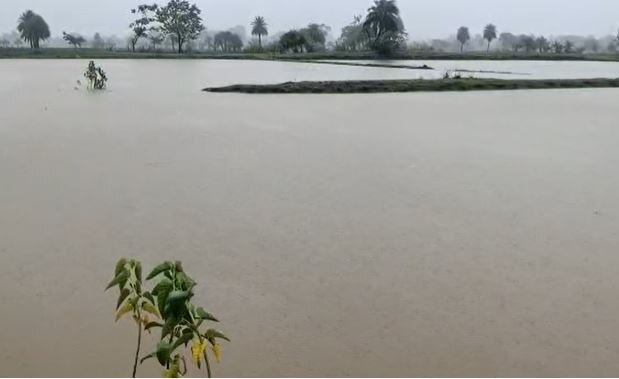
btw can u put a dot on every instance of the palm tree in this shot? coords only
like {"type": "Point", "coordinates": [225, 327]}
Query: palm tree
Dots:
{"type": "Point", "coordinates": [33, 28]}
{"type": "Point", "coordinates": [463, 37]}
{"type": "Point", "coordinates": [490, 34]}
{"type": "Point", "coordinates": [259, 28]}
{"type": "Point", "coordinates": [383, 24]}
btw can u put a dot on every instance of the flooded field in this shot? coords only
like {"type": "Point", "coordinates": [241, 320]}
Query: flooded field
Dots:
{"type": "Point", "coordinates": [428, 234]}
{"type": "Point", "coordinates": [513, 69]}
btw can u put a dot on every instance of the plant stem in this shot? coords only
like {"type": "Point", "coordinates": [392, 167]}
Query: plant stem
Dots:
{"type": "Point", "coordinates": [208, 364]}
{"type": "Point", "coordinates": [137, 351]}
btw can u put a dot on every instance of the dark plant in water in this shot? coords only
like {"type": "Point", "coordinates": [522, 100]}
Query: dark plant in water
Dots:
{"type": "Point", "coordinates": [180, 321]}
{"type": "Point", "coordinates": [97, 79]}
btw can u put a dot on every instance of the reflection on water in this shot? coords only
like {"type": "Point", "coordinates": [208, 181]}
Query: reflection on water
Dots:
{"type": "Point", "coordinates": [439, 234]}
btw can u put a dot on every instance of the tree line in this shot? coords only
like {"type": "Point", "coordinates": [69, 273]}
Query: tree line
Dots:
{"type": "Point", "coordinates": [180, 25]}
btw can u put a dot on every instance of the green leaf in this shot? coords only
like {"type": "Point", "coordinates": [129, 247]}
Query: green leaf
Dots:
{"type": "Point", "coordinates": [168, 327]}
{"type": "Point", "coordinates": [123, 295]}
{"type": "Point", "coordinates": [119, 279]}
{"type": "Point", "coordinates": [120, 265]}
{"type": "Point", "coordinates": [165, 266]}
{"type": "Point", "coordinates": [211, 334]}
{"type": "Point", "coordinates": [178, 265]}
{"type": "Point", "coordinates": [184, 282]}
{"type": "Point", "coordinates": [204, 315]}
{"type": "Point", "coordinates": [148, 296]}
{"type": "Point", "coordinates": [162, 298]}
{"type": "Point", "coordinates": [151, 325]}
{"type": "Point", "coordinates": [150, 309]}
{"type": "Point", "coordinates": [185, 338]}
{"type": "Point", "coordinates": [163, 352]}
{"type": "Point", "coordinates": [176, 304]}
{"type": "Point", "coordinates": [164, 283]}
{"type": "Point", "coordinates": [179, 296]}
{"type": "Point", "coordinates": [138, 271]}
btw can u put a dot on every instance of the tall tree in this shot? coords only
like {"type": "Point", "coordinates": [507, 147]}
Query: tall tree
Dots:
{"type": "Point", "coordinates": [490, 35]}
{"type": "Point", "coordinates": [142, 26]}
{"type": "Point", "coordinates": [384, 27]}
{"type": "Point", "coordinates": [353, 37]}
{"type": "Point", "coordinates": [542, 44]}
{"type": "Point", "coordinates": [33, 28]}
{"type": "Point", "coordinates": [316, 36]}
{"type": "Point", "coordinates": [73, 39]}
{"type": "Point", "coordinates": [182, 20]}
{"type": "Point", "coordinates": [228, 42]}
{"type": "Point", "coordinates": [463, 37]}
{"type": "Point", "coordinates": [97, 42]}
{"type": "Point", "coordinates": [259, 27]}
{"type": "Point", "coordinates": [156, 39]}
{"type": "Point", "coordinates": [509, 41]}
{"type": "Point", "coordinates": [294, 41]}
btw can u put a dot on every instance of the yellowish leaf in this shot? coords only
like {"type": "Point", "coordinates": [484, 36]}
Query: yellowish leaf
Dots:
{"type": "Point", "coordinates": [217, 352]}
{"type": "Point", "coordinates": [150, 309]}
{"type": "Point", "coordinates": [123, 311]}
{"type": "Point", "coordinates": [197, 349]}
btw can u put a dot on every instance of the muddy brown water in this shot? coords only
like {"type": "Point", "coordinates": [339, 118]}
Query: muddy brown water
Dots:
{"type": "Point", "coordinates": [438, 234]}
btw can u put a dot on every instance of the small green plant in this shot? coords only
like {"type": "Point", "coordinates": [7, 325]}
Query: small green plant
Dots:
{"type": "Point", "coordinates": [170, 301]}
{"type": "Point", "coordinates": [96, 77]}
{"type": "Point", "coordinates": [131, 299]}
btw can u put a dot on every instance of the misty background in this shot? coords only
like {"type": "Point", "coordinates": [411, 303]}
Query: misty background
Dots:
{"type": "Point", "coordinates": [424, 19]}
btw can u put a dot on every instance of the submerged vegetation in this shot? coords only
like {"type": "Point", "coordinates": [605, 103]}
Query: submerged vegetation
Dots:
{"type": "Point", "coordinates": [417, 85]}
{"type": "Point", "coordinates": [169, 307]}
{"type": "Point", "coordinates": [96, 77]}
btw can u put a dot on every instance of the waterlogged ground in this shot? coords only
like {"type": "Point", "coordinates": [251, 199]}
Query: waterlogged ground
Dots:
{"type": "Point", "coordinates": [438, 234]}
{"type": "Point", "coordinates": [512, 69]}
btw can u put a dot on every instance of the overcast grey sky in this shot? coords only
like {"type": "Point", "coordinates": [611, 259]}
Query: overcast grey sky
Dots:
{"type": "Point", "coordinates": [423, 18]}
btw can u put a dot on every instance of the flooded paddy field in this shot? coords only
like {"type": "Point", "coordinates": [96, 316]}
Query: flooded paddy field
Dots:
{"type": "Point", "coordinates": [428, 234]}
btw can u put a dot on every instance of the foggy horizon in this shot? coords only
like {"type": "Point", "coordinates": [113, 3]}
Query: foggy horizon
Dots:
{"type": "Point", "coordinates": [422, 20]}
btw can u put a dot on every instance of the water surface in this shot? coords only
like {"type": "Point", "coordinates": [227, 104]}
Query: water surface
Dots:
{"type": "Point", "coordinates": [513, 69]}
{"type": "Point", "coordinates": [428, 234]}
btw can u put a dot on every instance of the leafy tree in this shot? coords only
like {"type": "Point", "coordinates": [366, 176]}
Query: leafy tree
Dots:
{"type": "Point", "coordinates": [463, 37]}
{"type": "Point", "coordinates": [384, 27]}
{"type": "Point", "coordinates": [4, 42]}
{"type": "Point", "coordinates": [568, 47]}
{"type": "Point", "coordinates": [156, 39]}
{"type": "Point", "coordinates": [142, 26]}
{"type": "Point", "coordinates": [228, 42]}
{"type": "Point", "coordinates": [294, 41]}
{"type": "Point", "coordinates": [353, 37]}
{"type": "Point", "coordinates": [591, 44]}
{"type": "Point", "coordinates": [490, 34]}
{"type": "Point", "coordinates": [316, 36]}
{"type": "Point", "coordinates": [33, 28]}
{"type": "Point", "coordinates": [557, 47]}
{"type": "Point", "coordinates": [509, 41]}
{"type": "Point", "coordinates": [527, 42]}
{"type": "Point", "coordinates": [97, 41]}
{"type": "Point", "coordinates": [182, 20]}
{"type": "Point", "coordinates": [259, 28]}
{"type": "Point", "coordinates": [542, 44]}
{"type": "Point", "coordinates": [74, 40]}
